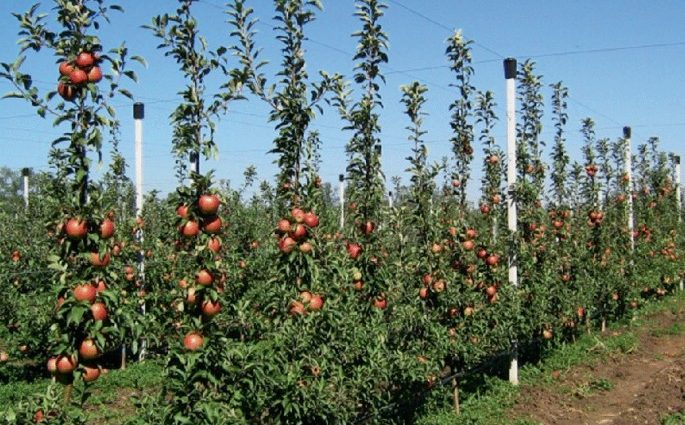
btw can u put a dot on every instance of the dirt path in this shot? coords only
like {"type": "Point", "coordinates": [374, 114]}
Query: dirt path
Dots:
{"type": "Point", "coordinates": [642, 387]}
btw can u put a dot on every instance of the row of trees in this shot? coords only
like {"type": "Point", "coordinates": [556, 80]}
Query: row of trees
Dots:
{"type": "Point", "coordinates": [265, 309]}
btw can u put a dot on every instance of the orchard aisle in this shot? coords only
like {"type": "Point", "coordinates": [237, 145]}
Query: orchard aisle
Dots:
{"type": "Point", "coordinates": [644, 386]}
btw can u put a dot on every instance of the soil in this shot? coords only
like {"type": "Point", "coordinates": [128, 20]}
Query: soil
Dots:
{"type": "Point", "coordinates": [641, 387]}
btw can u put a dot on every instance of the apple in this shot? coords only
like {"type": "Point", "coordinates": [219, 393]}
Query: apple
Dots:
{"type": "Point", "coordinates": [208, 204]}
{"type": "Point", "coordinates": [193, 341]}
{"type": "Point", "coordinates": [380, 302]}
{"type": "Point", "coordinates": [311, 219]}
{"type": "Point", "coordinates": [85, 292]}
{"type": "Point", "coordinates": [88, 350]}
{"type": "Point", "coordinates": [367, 228]}
{"type": "Point", "coordinates": [99, 311]}
{"type": "Point", "coordinates": [204, 277]}
{"type": "Point", "coordinates": [100, 286]}
{"type": "Point", "coordinates": [214, 245]}
{"type": "Point", "coordinates": [190, 229]}
{"type": "Point", "coordinates": [287, 245]}
{"type": "Point", "coordinates": [212, 225]}
{"type": "Point", "coordinates": [284, 226]}
{"type": "Point", "coordinates": [191, 297]}
{"type": "Point", "coordinates": [76, 229]}
{"type": "Point", "coordinates": [85, 60]}
{"type": "Point", "coordinates": [354, 250]}
{"type": "Point", "coordinates": [468, 245]}
{"type": "Point", "coordinates": [78, 77]}
{"type": "Point", "coordinates": [99, 261]}
{"type": "Point", "coordinates": [306, 247]}
{"type": "Point", "coordinates": [439, 285]}
{"type": "Point", "coordinates": [90, 374]}
{"type": "Point", "coordinates": [95, 74]}
{"type": "Point", "coordinates": [66, 364]}
{"type": "Point", "coordinates": [52, 365]}
{"type": "Point", "coordinates": [182, 211]}
{"type": "Point", "coordinates": [299, 232]}
{"type": "Point", "coordinates": [66, 68]}
{"type": "Point", "coordinates": [296, 308]}
{"type": "Point", "coordinates": [297, 214]}
{"type": "Point", "coordinates": [316, 303]}
{"type": "Point", "coordinates": [423, 293]}
{"type": "Point", "coordinates": [210, 308]}
{"type": "Point", "coordinates": [471, 233]}
{"type": "Point", "coordinates": [492, 260]}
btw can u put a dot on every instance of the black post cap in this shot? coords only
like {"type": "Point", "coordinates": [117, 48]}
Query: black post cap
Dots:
{"type": "Point", "coordinates": [138, 111]}
{"type": "Point", "coordinates": [341, 177]}
{"type": "Point", "coordinates": [509, 68]}
{"type": "Point", "coordinates": [25, 172]}
{"type": "Point", "coordinates": [676, 159]}
{"type": "Point", "coordinates": [626, 132]}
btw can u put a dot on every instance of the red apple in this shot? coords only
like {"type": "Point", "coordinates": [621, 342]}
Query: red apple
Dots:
{"type": "Point", "coordinates": [88, 350]}
{"type": "Point", "coordinates": [210, 308]}
{"type": "Point", "coordinates": [214, 244]}
{"type": "Point", "coordinates": [208, 204]}
{"type": "Point", "coordinates": [204, 277]}
{"type": "Point", "coordinates": [76, 229]}
{"type": "Point", "coordinates": [316, 303]}
{"type": "Point", "coordinates": [284, 226]}
{"type": "Point", "coordinates": [311, 219]}
{"type": "Point", "coordinates": [287, 245]}
{"type": "Point", "coordinates": [354, 250]}
{"type": "Point", "coordinates": [212, 225]}
{"type": "Point", "coordinates": [97, 261]}
{"type": "Point", "coordinates": [85, 292]}
{"type": "Point", "coordinates": [99, 311]}
{"type": "Point", "coordinates": [90, 374]}
{"type": "Point", "coordinates": [193, 341]}
{"type": "Point", "coordinates": [66, 364]}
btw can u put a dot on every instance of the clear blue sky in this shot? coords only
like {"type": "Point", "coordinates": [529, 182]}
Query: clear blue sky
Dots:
{"type": "Point", "coordinates": [623, 84]}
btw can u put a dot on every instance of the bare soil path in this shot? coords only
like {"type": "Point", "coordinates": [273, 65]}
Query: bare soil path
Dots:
{"type": "Point", "coordinates": [644, 386]}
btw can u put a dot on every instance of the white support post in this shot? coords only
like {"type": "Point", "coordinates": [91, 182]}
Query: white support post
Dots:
{"type": "Point", "coordinates": [25, 174]}
{"type": "Point", "coordinates": [390, 201]}
{"type": "Point", "coordinates": [510, 76]}
{"type": "Point", "coordinates": [341, 179]}
{"type": "Point", "coordinates": [138, 116]}
{"type": "Point", "coordinates": [628, 172]}
{"type": "Point", "coordinates": [678, 197]}
{"type": "Point", "coordinates": [678, 193]}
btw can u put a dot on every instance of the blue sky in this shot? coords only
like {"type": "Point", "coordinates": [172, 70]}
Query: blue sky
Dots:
{"type": "Point", "coordinates": [621, 59]}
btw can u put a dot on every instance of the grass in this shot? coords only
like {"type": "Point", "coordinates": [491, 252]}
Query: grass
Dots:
{"type": "Point", "coordinates": [588, 388]}
{"type": "Point", "coordinates": [491, 402]}
{"type": "Point", "coordinates": [673, 419]}
{"type": "Point", "coordinates": [110, 402]}
{"type": "Point", "coordinates": [674, 329]}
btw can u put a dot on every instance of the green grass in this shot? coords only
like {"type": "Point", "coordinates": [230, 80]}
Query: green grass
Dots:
{"type": "Point", "coordinates": [674, 329]}
{"type": "Point", "coordinates": [110, 402]}
{"type": "Point", "coordinates": [673, 419]}
{"type": "Point", "coordinates": [586, 389]}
